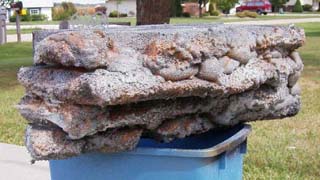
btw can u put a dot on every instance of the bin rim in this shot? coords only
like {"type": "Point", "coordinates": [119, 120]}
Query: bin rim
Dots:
{"type": "Point", "coordinates": [226, 145]}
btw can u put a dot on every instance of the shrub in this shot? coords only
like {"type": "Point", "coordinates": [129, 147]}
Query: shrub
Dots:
{"type": "Point", "coordinates": [69, 8]}
{"type": "Point", "coordinates": [186, 14]}
{"type": "Point", "coordinates": [59, 14]}
{"type": "Point", "coordinates": [214, 13]}
{"type": "Point", "coordinates": [211, 8]}
{"type": "Point", "coordinates": [307, 7]}
{"type": "Point", "coordinates": [63, 12]}
{"type": "Point", "coordinates": [251, 14]}
{"type": "Point", "coordinates": [26, 17]}
{"type": "Point", "coordinates": [114, 14]}
{"type": "Point", "coordinates": [176, 8]}
{"type": "Point", "coordinates": [40, 17]}
{"type": "Point", "coordinates": [81, 11]}
{"type": "Point", "coordinates": [240, 14]}
{"type": "Point", "coordinates": [12, 18]}
{"type": "Point", "coordinates": [206, 14]}
{"type": "Point", "coordinates": [297, 7]}
{"type": "Point", "coordinates": [247, 14]}
{"type": "Point", "coordinates": [123, 15]}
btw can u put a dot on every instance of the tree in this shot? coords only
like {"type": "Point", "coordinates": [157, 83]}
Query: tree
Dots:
{"type": "Point", "coordinates": [214, 5]}
{"type": "Point", "coordinates": [176, 8]}
{"type": "Point", "coordinates": [153, 11]}
{"type": "Point", "coordinates": [277, 4]}
{"type": "Point", "coordinates": [297, 6]}
{"type": "Point", "coordinates": [5, 3]}
{"type": "Point", "coordinates": [226, 5]}
{"type": "Point", "coordinates": [211, 8]}
{"type": "Point", "coordinates": [202, 3]}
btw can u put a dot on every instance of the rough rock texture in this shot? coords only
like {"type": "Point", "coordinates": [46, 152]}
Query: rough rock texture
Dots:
{"type": "Point", "coordinates": [44, 144]}
{"type": "Point", "coordinates": [92, 90]}
{"type": "Point", "coordinates": [79, 120]}
{"type": "Point", "coordinates": [53, 143]}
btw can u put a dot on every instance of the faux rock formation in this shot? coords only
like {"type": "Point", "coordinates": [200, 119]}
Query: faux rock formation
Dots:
{"type": "Point", "coordinates": [96, 90]}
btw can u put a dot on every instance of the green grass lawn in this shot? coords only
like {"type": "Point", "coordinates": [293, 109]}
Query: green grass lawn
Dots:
{"type": "Point", "coordinates": [286, 149]}
{"type": "Point", "coordinates": [23, 31]}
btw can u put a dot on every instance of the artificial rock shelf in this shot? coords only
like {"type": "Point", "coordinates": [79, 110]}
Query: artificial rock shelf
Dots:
{"type": "Point", "coordinates": [94, 90]}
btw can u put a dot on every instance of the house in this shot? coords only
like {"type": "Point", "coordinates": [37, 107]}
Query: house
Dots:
{"type": "Point", "coordinates": [289, 5]}
{"type": "Point", "coordinates": [81, 2]}
{"type": "Point", "coordinates": [36, 7]}
{"type": "Point", "coordinates": [44, 7]}
{"type": "Point", "coordinates": [192, 8]}
{"type": "Point", "coordinates": [123, 6]}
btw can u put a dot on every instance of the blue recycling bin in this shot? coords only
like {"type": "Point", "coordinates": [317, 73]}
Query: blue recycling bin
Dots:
{"type": "Point", "coordinates": [212, 155]}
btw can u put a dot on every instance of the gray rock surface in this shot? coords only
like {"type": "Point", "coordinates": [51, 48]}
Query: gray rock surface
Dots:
{"type": "Point", "coordinates": [94, 90]}
{"type": "Point", "coordinates": [80, 120]}
{"type": "Point", "coordinates": [45, 144]}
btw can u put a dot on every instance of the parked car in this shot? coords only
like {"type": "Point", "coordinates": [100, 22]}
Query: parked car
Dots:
{"type": "Point", "coordinates": [261, 7]}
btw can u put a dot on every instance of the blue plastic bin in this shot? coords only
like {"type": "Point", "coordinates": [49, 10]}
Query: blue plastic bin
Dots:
{"type": "Point", "coordinates": [212, 155]}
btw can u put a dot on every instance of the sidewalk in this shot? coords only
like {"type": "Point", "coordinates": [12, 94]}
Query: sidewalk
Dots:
{"type": "Point", "coordinates": [24, 38]}
{"type": "Point", "coordinates": [40, 26]}
{"type": "Point", "coordinates": [15, 164]}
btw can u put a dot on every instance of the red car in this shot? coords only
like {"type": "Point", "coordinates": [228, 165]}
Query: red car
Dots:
{"type": "Point", "coordinates": [261, 7]}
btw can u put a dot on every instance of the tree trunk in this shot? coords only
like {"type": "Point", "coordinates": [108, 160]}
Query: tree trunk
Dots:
{"type": "Point", "coordinates": [153, 12]}
{"type": "Point", "coordinates": [202, 2]}
{"type": "Point", "coordinates": [200, 10]}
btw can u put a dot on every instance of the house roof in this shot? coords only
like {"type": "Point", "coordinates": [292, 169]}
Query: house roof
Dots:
{"type": "Point", "coordinates": [37, 3]}
{"type": "Point", "coordinates": [81, 1]}
{"type": "Point", "coordinates": [50, 3]}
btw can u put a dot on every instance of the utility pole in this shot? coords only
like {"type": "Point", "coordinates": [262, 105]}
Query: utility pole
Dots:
{"type": "Point", "coordinates": [3, 29]}
{"type": "Point", "coordinates": [17, 7]}
{"type": "Point", "coordinates": [18, 27]}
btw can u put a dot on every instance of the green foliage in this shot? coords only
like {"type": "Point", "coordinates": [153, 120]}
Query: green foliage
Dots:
{"type": "Point", "coordinates": [40, 17]}
{"type": "Point", "coordinates": [247, 14]}
{"type": "Point", "coordinates": [211, 9]}
{"type": "Point", "coordinates": [29, 17]}
{"type": "Point", "coordinates": [63, 12]}
{"type": "Point", "coordinates": [226, 5]}
{"type": "Point", "coordinates": [123, 15]}
{"type": "Point", "coordinates": [297, 7]}
{"type": "Point", "coordinates": [206, 14]}
{"type": "Point", "coordinates": [214, 13]}
{"type": "Point", "coordinates": [276, 4]}
{"type": "Point", "coordinates": [241, 14]}
{"type": "Point", "coordinates": [251, 14]}
{"type": "Point", "coordinates": [114, 14]}
{"type": "Point", "coordinates": [69, 7]}
{"type": "Point", "coordinates": [176, 8]}
{"type": "Point", "coordinates": [186, 14]}
{"type": "Point", "coordinates": [307, 7]}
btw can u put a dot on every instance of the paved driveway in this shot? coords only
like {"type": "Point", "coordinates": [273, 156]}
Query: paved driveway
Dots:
{"type": "Point", "coordinates": [15, 164]}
